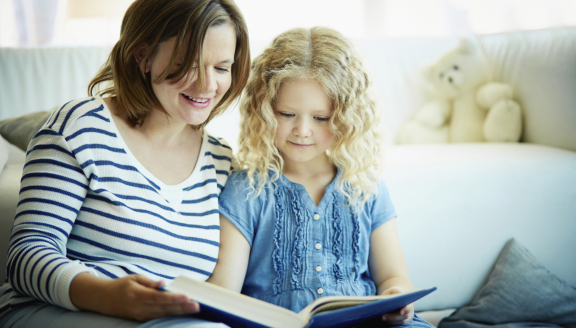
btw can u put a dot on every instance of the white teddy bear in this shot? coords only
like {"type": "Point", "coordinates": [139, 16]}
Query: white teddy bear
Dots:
{"type": "Point", "coordinates": [466, 107]}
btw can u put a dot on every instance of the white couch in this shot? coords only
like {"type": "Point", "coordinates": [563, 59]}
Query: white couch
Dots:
{"type": "Point", "coordinates": [458, 204]}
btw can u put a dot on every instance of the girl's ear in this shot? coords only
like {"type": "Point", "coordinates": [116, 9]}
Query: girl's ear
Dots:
{"type": "Point", "coordinates": [139, 56]}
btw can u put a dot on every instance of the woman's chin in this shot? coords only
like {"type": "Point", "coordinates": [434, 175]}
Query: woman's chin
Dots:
{"type": "Point", "coordinates": [195, 117]}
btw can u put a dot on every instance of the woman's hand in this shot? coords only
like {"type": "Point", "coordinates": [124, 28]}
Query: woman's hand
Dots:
{"type": "Point", "coordinates": [134, 297]}
{"type": "Point", "coordinates": [399, 317]}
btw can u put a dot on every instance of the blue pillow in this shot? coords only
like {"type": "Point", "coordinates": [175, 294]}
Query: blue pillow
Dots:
{"type": "Point", "coordinates": [520, 292]}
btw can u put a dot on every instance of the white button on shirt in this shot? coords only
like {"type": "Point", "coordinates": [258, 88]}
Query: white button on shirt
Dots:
{"type": "Point", "coordinates": [320, 290]}
{"type": "Point", "coordinates": [318, 246]}
{"type": "Point", "coordinates": [318, 268]}
{"type": "Point", "coordinates": [316, 216]}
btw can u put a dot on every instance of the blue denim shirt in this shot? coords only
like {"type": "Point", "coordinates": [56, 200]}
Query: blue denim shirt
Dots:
{"type": "Point", "coordinates": [300, 251]}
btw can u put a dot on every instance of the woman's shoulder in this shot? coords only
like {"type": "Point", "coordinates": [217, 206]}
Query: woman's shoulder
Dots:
{"type": "Point", "coordinates": [218, 144]}
{"type": "Point", "coordinates": [78, 114]}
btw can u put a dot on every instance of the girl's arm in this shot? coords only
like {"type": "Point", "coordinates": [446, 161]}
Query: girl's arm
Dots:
{"type": "Point", "coordinates": [388, 269]}
{"type": "Point", "coordinates": [233, 257]}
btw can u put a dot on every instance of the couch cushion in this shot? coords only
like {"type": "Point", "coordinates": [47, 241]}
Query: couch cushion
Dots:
{"type": "Point", "coordinates": [540, 65]}
{"type": "Point", "coordinates": [20, 130]}
{"type": "Point", "coordinates": [9, 187]}
{"type": "Point", "coordinates": [3, 153]}
{"type": "Point", "coordinates": [458, 204]}
{"type": "Point", "coordinates": [518, 290]}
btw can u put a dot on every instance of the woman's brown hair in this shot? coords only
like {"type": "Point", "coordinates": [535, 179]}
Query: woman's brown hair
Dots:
{"type": "Point", "coordinates": [150, 22]}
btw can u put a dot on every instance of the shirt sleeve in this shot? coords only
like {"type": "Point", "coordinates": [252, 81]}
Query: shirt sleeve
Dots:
{"type": "Point", "coordinates": [238, 206]}
{"type": "Point", "coordinates": [382, 209]}
{"type": "Point", "coordinates": [53, 188]}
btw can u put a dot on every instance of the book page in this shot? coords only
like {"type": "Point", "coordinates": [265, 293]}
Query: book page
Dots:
{"type": "Point", "coordinates": [330, 302]}
{"type": "Point", "coordinates": [335, 306]}
{"type": "Point", "coordinates": [235, 303]}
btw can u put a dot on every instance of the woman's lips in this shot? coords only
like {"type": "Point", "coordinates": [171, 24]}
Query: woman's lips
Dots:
{"type": "Point", "coordinates": [197, 104]}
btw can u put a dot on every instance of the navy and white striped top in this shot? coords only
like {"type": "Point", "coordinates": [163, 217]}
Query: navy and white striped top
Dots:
{"type": "Point", "coordinates": [87, 205]}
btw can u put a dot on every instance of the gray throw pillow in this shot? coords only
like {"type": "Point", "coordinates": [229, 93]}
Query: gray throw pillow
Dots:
{"type": "Point", "coordinates": [520, 292]}
{"type": "Point", "coordinates": [20, 130]}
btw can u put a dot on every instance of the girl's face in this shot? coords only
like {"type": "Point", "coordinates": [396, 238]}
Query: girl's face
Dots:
{"type": "Point", "coordinates": [302, 110]}
{"type": "Point", "coordinates": [180, 100]}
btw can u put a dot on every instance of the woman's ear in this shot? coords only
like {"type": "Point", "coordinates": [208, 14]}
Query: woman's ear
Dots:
{"type": "Point", "coordinates": [139, 55]}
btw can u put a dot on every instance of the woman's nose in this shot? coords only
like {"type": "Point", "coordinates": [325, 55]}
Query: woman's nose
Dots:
{"type": "Point", "coordinates": [211, 82]}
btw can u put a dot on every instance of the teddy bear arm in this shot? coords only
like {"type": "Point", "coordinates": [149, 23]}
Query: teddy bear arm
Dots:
{"type": "Point", "coordinates": [492, 92]}
{"type": "Point", "coordinates": [433, 114]}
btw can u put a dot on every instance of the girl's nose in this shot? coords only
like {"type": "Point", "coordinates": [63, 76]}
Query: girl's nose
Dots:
{"type": "Point", "coordinates": [302, 128]}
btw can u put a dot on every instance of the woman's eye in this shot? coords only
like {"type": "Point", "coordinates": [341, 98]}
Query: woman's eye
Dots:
{"type": "Point", "coordinates": [222, 69]}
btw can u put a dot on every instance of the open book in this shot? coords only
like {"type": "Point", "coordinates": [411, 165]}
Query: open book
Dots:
{"type": "Point", "coordinates": [237, 310]}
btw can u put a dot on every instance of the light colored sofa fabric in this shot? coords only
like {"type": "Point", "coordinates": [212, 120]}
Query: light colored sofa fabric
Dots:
{"type": "Point", "coordinates": [36, 79]}
{"type": "Point", "coordinates": [458, 204]}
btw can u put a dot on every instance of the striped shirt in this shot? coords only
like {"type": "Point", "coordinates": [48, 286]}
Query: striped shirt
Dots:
{"type": "Point", "coordinates": [87, 205]}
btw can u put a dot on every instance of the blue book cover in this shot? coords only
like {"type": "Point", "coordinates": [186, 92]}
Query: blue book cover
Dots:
{"type": "Point", "coordinates": [236, 310]}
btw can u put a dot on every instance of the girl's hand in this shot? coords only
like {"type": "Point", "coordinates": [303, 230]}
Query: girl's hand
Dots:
{"type": "Point", "coordinates": [133, 297]}
{"type": "Point", "coordinates": [399, 317]}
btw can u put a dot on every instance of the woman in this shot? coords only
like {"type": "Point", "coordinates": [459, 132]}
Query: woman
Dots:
{"type": "Point", "coordinates": [121, 192]}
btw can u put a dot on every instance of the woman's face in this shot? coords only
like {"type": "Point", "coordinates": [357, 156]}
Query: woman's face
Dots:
{"type": "Point", "coordinates": [180, 100]}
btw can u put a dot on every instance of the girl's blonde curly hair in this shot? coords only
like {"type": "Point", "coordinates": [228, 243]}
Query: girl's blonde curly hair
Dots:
{"type": "Point", "coordinates": [326, 56]}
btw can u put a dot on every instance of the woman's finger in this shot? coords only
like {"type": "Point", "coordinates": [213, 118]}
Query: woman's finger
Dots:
{"type": "Point", "coordinates": [155, 296]}
{"type": "Point", "coordinates": [151, 311]}
{"type": "Point", "coordinates": [145, 281]}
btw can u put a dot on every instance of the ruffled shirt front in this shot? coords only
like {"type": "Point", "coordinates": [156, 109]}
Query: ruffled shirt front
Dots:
{"type": "Point", "coordinates": [300, 251]}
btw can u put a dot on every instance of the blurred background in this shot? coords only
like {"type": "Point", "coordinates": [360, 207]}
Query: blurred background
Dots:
{"type": "Point", "coordinates": [32, 23]}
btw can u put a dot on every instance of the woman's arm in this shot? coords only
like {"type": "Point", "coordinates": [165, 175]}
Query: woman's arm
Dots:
{"type": "Point", "coordinates": [388, 269]}
{"type": "Point", "coordinates": [233, 257]}
{"type": "Point", "coordinates": [53, 189]}
{"type": "Point", "coordinates": [133, 297]}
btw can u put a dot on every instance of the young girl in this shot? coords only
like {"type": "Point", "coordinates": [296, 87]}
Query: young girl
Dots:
{"type": "Point", "coordinates": [308, 217]}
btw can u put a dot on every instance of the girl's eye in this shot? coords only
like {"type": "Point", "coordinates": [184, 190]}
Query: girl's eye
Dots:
{"type": "Point", "coordinates": [322, 119]}
{"type": "Point", "coordinates": [285, 114]}
{"type": "Point", "coordinates": [222, 69]}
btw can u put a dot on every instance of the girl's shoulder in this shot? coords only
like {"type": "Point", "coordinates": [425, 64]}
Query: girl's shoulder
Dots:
{"type": "Point", "coordinates": [239, 185]}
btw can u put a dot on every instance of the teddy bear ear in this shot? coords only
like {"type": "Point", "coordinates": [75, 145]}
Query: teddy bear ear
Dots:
{"type": "Point", "coordinates": [426, 80]}
{"type": "Point", "coordinates": [467, 46]}
{"type": "Point", "coordinates": [426, 71]}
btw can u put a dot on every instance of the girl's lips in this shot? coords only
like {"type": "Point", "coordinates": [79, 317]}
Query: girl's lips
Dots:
{"type": "Point", "coordinates": [299, 145]}
{"type": "Point", "coordinates": [197, 104]}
